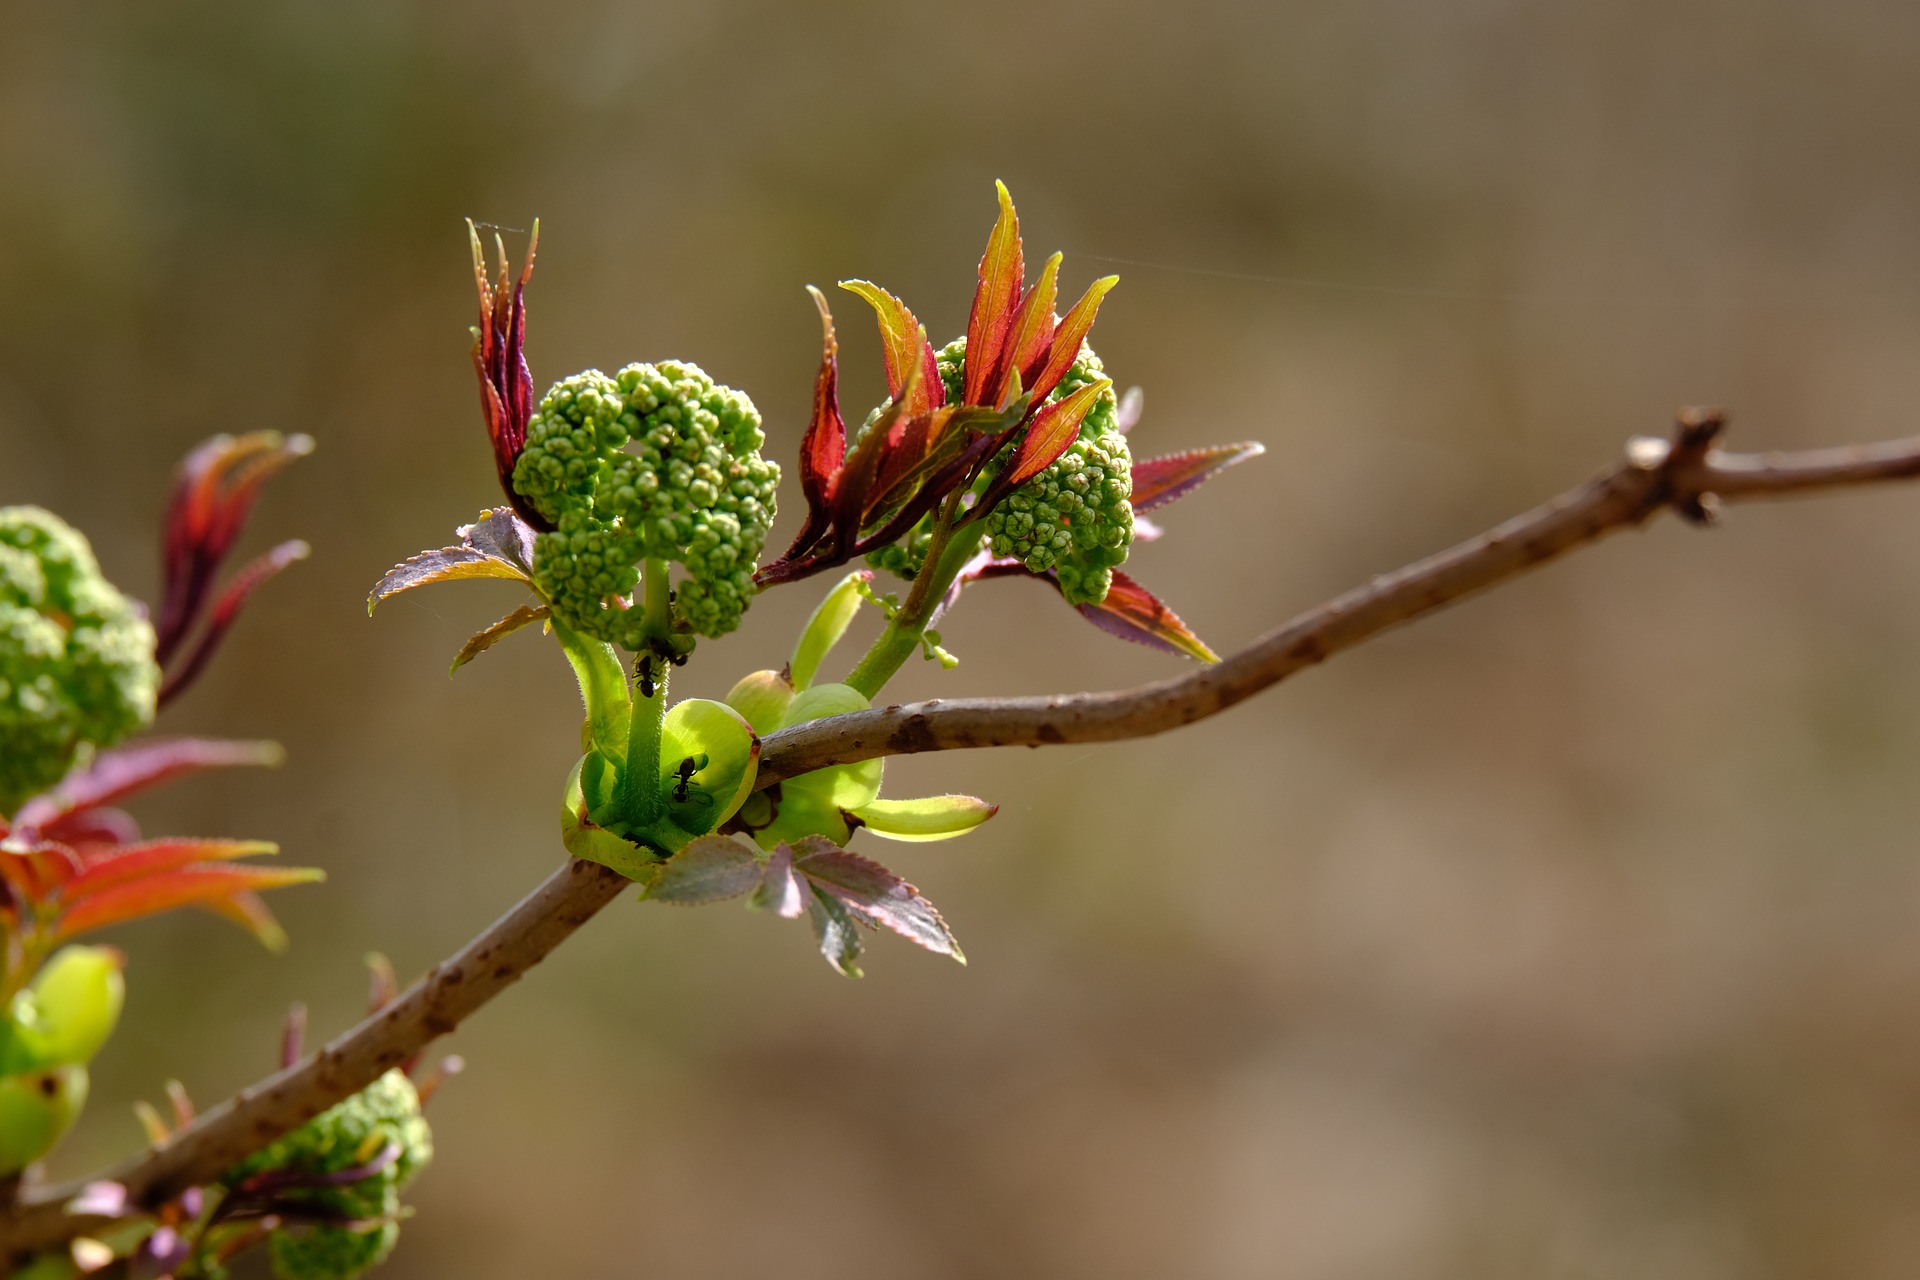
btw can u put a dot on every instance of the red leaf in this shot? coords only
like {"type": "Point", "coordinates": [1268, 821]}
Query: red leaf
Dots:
{"type": "Point", "coordinates": [1158, 481]}
{"type": "Point", "coordinates": [188, 887]}
{"type": "Point", "coordinates": [35, 873]}
{"type": "Point", "coordinates": [120, 864]}
{"type": "Point", "coordinates": [251, 914]}
{"type": "Point", "coordinates": [1131, 612]}
{"type": "Point", "coordinates": [499, 359]}
{"type": "Point", "coordinates": [1032, 335]}
{"type": "Point", "coordinates": [1002, 273]}
{"type": "Point", "coordinates": [124, 770]}
{"type": "Point", "coordinates": [213, 493]}
{"type": "Point", "coordinates": [903, 344]}
{"type": "Point", "coordinates": [823, 449]}
{"type": "Point", "coordinates": [876, 895]}
{"type": "Point", "coordinates": [94, 826]}
{"type": "Point", "coordinates": [251, 577]}
{"type": "Point", "coordinates": [1068, 336]}
{"type": "Point", "coordinates": [1050, 434]}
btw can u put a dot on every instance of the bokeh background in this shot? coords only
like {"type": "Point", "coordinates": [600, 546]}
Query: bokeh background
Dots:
{"type": "Point", "coordinates": [1568, 934]}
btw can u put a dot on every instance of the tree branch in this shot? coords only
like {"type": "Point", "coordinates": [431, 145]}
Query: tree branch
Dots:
{"type": "Point", "coordinates": [1687, 474]}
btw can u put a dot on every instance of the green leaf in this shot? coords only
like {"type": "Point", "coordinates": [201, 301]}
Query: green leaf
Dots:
{"type": "Point", "coordinates": [762, 697]}
{"type": "Point", "coordinates": [824, 629]}
{"type": "Point", "coordinates": [584, 839]}
{"type": "Point", "coordinates": [603, 688]}
{"type": "Point", "coordinates": [928, 818]}
{"type": "Point", "coordinates": [709, 869]}
{"type": "Point", "coordinates": [847, 786]}
{"type": "Point", "coordinates": [68, 1013]}
{"type": "Point", "coordinates": [36, 1110]}
{"type": "Point", "coordinates": [802, 814]}
{"type": "Point", "coordinates": [700, 729]}
{"type": "Point", "coordinates": [481, 641]}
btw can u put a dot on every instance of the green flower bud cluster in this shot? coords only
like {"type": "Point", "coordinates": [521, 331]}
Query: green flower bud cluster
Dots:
{"type": "Point", "coordinates": [1075, 517]}
{"type": "Point", "coordinates": [657, 462]}
{"type": "Point", "coordinates": [76, 656]}
{"type": "Point", "coordinates": [346, 1137]}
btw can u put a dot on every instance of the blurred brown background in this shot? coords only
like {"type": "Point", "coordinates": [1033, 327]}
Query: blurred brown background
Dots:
{"type": "Point", "coordinates": [1568, 934]}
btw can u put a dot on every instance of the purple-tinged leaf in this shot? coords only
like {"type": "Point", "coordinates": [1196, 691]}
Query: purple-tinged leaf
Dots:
{"type": "Point", "coordinates": [1146, 530]}
{"type": "Point", "coordinates": [903, 345]}
{"type": "Point", "coordinates": [708, 869]}
{"type": "Point", "coordinates": [1067, 337]}
{"type": "Point", "coordinates": [125, 770]}
{"type": "Point", "coordinates": [1158, 481]}
{"type": "Point", "coordinates": [1050, 434]}
{"type": "Point", "coordinates": [1126, 416]}
{"type": "Point", "coordinates": [1132, 612]}
{"type": "Point", "coordinates": [226, 610]}
{"type": "Point", "coordinates": [876, 894]}
{"type": "Point", "coordinates": [481, 641]}
{"type": "Point", "coordinates": [497, 545]}
{"type": "Point", "coordinates": [502, 534]}
{"type": "Point", "coordinates": [448, 564]}
{"type": "Point", "coordinates": [94, 826]}
{"type": "Point", "coordinates": [833, 928]}
{"type": "Point", "coordinates": [1002, 274]}
{"type": "Point", "coordinates": [780, 890]}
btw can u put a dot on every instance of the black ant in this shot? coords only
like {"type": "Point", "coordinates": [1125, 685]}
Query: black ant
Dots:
{"type": "Point", "coordinates": [643, 672]}
{"type": "Point", "coordinates": [687, 768]}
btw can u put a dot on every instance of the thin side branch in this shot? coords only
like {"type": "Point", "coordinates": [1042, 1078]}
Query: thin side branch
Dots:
{"type": "Point", "coordinates": [1686, 474]}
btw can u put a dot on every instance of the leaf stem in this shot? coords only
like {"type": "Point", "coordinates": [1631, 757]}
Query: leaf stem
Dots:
{"type": "Point", "coordinates": [904, 632]}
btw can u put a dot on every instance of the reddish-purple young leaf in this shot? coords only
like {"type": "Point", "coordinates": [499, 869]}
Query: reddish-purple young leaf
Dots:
{"type": "Point", "coordinates": [251, 577]}
{"type": "Point", "coordinates": [1050, 434]}
{"type": "Point", "coordinates": [481, 641]}
{"type": "Point", "coordinates": [502, 534]}
{"type": "Point", "coordinates": [94, 826]}
{"type": "Point", "coordinates": [833, 929]}
{"type": "Point", "coordinates": [1067, 337]}
{"type": "Point", "coordinates": [1131, 612]}
{"type": "Point", "coordinates": [1158, 481]}
{"type": "Point", "coordinates": [204, 885]}
{"type": "Point", "coordinates": [124, 770]}
{"type": "Point", "coordinates": [709, 869]}
{"type": "Point", "coordinates": [903, 345]}
{"type": "Point", "coordinates": [214, 491]}
{"type": "Point", "coordinates": [823, 449]}
{"type": "Point", "coordinates": [500, 361]}
{"type": "Point", "coordinates": [1032, 334]}
{"type": "Point", "coordinates": [780, 890]}
{"type": "Point", "coordinates": [448, 564]}
{"type": "Point", "coordinates": [1127, 415]}
{"type": "Point", "coordinates": [1002, 274]}
{"type": "Point", "coordinates": [876, 894]}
